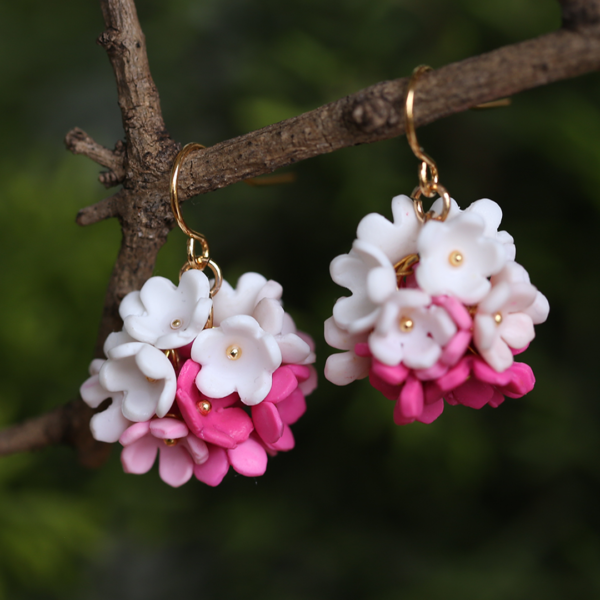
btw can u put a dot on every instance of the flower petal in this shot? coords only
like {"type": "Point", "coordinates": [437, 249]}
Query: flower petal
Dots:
{"type": "Point", "coordinates": [139, 457]}
{"type": "Point", "coordinates": [214, 469]}
{"type": "Point", "coordinates": [175, 465]}
{"type": "Point", "coordinates": [249, 458]}
{"type": "Point", "coordinates": [108, 425]}
{"type": "Point", "coordinates": [267, 422]}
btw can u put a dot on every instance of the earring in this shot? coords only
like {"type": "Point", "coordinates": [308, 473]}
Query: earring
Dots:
{"type": "Point", "coordinates": [206, 375]}
{"type": "Point", "coordinates": [438, 305]}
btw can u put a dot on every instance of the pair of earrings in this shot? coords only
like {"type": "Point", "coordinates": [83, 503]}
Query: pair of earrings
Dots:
{"type": "Point", "coordinates": [212, 377]}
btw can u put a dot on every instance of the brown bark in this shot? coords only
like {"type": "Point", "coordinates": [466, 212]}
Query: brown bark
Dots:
{"type": "Point", "coordinates": [143, 162]}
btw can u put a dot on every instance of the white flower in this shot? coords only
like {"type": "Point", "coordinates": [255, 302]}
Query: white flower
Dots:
{"type": "Point", "coordinates": [274, 320]}
{"type": "Point", "coordinates": [456, 258]}
{"type": "Point", "coordinates": [251, 289]}
{"type": "Point", "coordinates": [515, 273]}
{"type": "Point", "coordinates": [144, 375]}
{"type": "Point", "coordinates": [345, 367]}
{"type": "Point", "coordinates": [370, 276]}
{"type": "Point", "coordinates": [398, 239]}
{"type": "Point", "coordinates": [165, 315]}
{"type": "Point", "coordinates": [411, 331]}
{"type": "Point", "coordinates": [238, 356]}
{"type": "Point", "coordinates": [501, 323]}
{"type": "Point", "coordinates": [491, 213]}
{"type": "Point", "coordinates": [108, 425]}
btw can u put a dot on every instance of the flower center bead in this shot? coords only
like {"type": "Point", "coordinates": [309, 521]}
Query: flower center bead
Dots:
{"type": "Point", "coordinates": [498, 318]}
{"type": "Point", "coordinates": [406, 324]}
{"type": "Point", "coordinates": [456, 258]}
{"type": "Point", "coordinates": [233, 352]}
{"type": "Point", "coordinates": [204, 407]}
{"type": "Point", "coordinates": [170, 442]}
{"type": "Point", "coordinates": [176, 324]}
{"type": "Point", "coordinates": [151, 380]}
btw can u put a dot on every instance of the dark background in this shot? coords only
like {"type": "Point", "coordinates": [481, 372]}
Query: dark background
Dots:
{"type": "Point", "coordinates": [480, 505]}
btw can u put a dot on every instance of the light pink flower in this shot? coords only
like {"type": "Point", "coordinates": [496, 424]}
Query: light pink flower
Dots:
{"type": "Point", "coordinates": [179, 450]}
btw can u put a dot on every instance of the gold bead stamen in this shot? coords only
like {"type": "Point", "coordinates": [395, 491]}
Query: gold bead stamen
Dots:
{"type": "Point", "coordinates": [498, 318]}
{"type": "Point", "coordinates": [176, 324]}
{"type": "Point", "coordinates": [406, 324]}
{"type": "Point", "coordinates": [204, 407]}
{"type": "Point", "coordinates": [233, 352]}
{"type": "Point", "coordinates": [151, 380]}
{"type": "Point", "coordinates": [170, 442]}
{"type": "Point", "coordinates": [456, 258]}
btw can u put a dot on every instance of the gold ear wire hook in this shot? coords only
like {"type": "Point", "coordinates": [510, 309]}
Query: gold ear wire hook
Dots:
{"type": "Point", "coordinates": [428, 186]}
{"type": "Point", "coordinates": [194, 261]}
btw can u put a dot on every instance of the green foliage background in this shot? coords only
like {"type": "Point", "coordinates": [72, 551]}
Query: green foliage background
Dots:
{"type": "Point", "coordinates": [480, 505]}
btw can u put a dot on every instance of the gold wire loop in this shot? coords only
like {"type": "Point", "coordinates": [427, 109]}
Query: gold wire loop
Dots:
{"type": "Point", "coordinates": [194, 261]}
{"type": "Point", "coordinates": [187, 149]}
{"type": "Point", "coordinates": [429, 178]}
{"type": "Point", "coordinates": [200, 265]}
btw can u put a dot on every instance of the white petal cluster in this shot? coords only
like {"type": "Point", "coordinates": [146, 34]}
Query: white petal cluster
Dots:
{"type": "Point", "coordinates": [464, 257]}
{"type": "Point", "coordinates": [252, 337]}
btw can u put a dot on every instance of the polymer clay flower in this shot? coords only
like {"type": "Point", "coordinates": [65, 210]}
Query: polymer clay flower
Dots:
{"type": "Point", "coordinates": [165, 315]}
{"type": "Point", "coordinates": [266, 416]}
{"type": "Point", "coordinates": [251, 288]}
{"type": "Point", "coordinates": [398, 239]}
{"type": "Point", "coordinates": [501, 324]}
{"type": "Point", "coordinates": [270, 315]}
{"type": "Point", "coordinates": [456, 258]}
{"type": "Point", "coordinates": [344, 367]}
{"type": "Point", "coordinates": [491, 213]}
{"type": "Point", "coordinates": [215, 420]}
{"type": "Point", "coordinates": [370, 276]}
{"type": "Point", "coordinates": [179, 450]}
{"type": "Point", "coordinates": [516, 273]}
{"type": "Point", "coordinates": [108, 425]}
{"type": "Point", "coordinates": [238, 356]}
{"type": "Point", "coordinates": [144, 375]}
{"type": "Point", "coordinates": [411, 331]}
{"type": "Point", "coordinates": [248, 458]}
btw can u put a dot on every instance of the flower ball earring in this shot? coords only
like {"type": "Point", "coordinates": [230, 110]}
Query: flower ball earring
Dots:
{"type": "Point", "coordinates": [438, 306]}
{"type": "Point", "coordinates": [207, 375]}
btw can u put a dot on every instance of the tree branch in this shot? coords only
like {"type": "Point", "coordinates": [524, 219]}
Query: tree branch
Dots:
{"type": "Point", "coordinates": [376, 113]}
{"type": "Point", "coordinates": [79, 142]}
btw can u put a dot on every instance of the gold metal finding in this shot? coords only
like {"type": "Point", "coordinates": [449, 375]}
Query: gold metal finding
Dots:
{"type": "Point", "coordinates": [202, 260]}
{"type": "Point", "coordinates": [204, 407]}
{"type": "Point", "coordinates": [406, 324]}
{"type": "Point", "coordinates": [173, 356]}
{"type": "Point", "coordinates": [169, 442]}
{"type": "Point", "coordinates": [429, 179]}
{"type": "Point", "coordinates": [234, 352]}
{"type": "Point", "coordinates": [498, 318]}
{"type": "Point", "coordinates": [456, 258]}
{"type": "Point", "coordinates": [404, 268]}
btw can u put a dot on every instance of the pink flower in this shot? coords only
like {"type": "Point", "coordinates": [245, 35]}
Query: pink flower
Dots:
{"type": "Point", "coordinates": [249, 459]}
{"type": "Point", "coordinates": [284, 405]}
{"type": "Point", "coordinates": [214, 420]}
{"type": "Point", "coordinates": [471, 382]}
{"type": "Point", "coordinates": [179, 450]}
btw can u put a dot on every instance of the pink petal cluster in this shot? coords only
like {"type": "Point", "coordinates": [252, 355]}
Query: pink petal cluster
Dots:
{"type": "Point", "coordinates": [459, 377]}
{"type": "Point", "coordinates": [205, 436]}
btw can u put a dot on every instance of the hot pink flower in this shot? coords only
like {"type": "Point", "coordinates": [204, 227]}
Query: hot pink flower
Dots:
{"type": "Point", "coordinates": [248, 459]}
{"type": "Point", "coordinates": [214, 420]}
